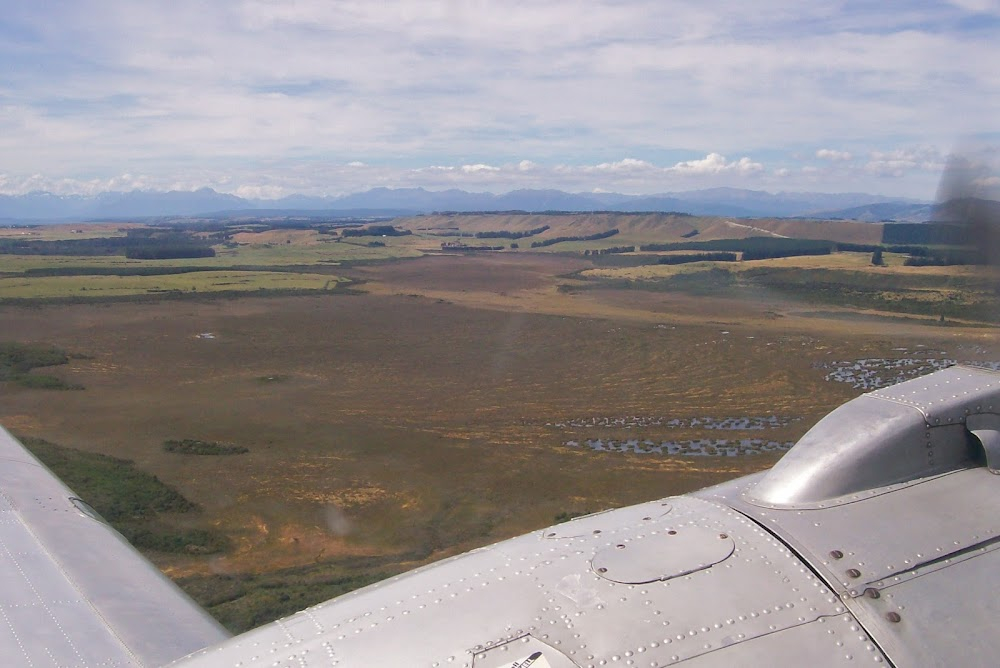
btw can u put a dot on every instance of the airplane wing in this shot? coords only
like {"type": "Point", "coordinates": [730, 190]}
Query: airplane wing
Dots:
{"type": "Point", "coordinates": [872, 542]}
{"type": "Point", "coordinates": [73, 592]}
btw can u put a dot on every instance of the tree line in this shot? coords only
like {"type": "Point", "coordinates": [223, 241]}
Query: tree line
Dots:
{"type": "Point", "coordinates": [504, 234]}
{"type": "Point", "coordinates": [559, 240]}
{"type": "Point", "coordinates": [610, 251]}
{"type": "Point", "coordinates": [139, 243]}
{"type": "Point", "coordinates": [751, 244]}
{"type": "Point", "coordinates": [374, 231]}
{"type": "Point", "coordinates": [697, 257]}
{"type": "Point", "coordinates": [932, 234]}
{"type": "Point", "coordinates": [167, 252]}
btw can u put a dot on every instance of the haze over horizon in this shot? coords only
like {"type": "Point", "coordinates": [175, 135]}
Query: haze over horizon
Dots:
{"type": "Point", "coordinates": [266, 99]}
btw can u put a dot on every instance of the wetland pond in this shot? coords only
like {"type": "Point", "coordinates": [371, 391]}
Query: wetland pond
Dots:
{"type": "Point", "coordinates": [704, 447]}
{"type": "Point", "coordinates": [636, 422]}
{"type": "Point", "coordinates": [877, 372]}
{"type": "Point", "coordinates": [865, 374]}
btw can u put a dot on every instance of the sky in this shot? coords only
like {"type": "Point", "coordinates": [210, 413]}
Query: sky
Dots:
{"type": "Point", "coordinates": [265, 98]}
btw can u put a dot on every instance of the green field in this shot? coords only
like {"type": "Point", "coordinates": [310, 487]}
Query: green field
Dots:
{"type": "Point", "coordinates": [839, 279]}
{"type": "Point", "coordinates": [97, 287]}
{"type": "Point", "coordinates": [248, 262]}
{"type": "Point", "coordinates": [243, 255]}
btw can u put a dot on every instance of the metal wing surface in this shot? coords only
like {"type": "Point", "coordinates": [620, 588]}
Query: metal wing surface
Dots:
{"type": "Point", "coordinates": [873, 542]}
{"type": "Point", "coordinates": [73, 592]}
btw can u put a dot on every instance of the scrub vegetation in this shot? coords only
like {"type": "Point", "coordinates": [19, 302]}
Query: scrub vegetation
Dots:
{"type": "Point", "coordinates": [17, 361]}
{"type": "Point", "coordinates": [134, 502]}
{"type": "Point", "coordinates": [393, 405]}
{"type": "Point", "coordinates": [190, 446]}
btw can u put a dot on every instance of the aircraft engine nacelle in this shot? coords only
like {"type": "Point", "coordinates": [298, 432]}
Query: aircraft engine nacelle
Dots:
{"type": "Point", "coordinates": [923, 427]}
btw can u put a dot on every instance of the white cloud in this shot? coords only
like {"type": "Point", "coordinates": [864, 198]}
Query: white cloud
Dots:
{"type": "Point", "coordinates": [986, 187]}
{"type": "Point", "coordinates": [479, 168]}
{"type": "Point", "coordinates": [899, 162]}
{"type": "Point", "coordinates": [233, 89]}
{"type": "Point", "coordinates": [260, 192]}
{"type": "Point", "coordinates": [834, 155]}
{"type": "Point", "coordinates": [714, 163]}
{"type": "Point", "coordinates": [18, 185]}
{"type": "Point", "coordinates": [277, 178]}
{"type": "Point", "coordinates": [625, 165]}
{"type": "Point", "coordinates": [978, 6]}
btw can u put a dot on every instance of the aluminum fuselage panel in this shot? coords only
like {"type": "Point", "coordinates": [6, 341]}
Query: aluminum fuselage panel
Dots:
{"type": "Point", "coordinates": [544, 589]}
{"type": "Point", "coordinates": [917, 563]}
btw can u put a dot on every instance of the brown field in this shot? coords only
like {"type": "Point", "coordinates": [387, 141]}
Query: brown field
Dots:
{"type": "Point", "coordinates": [422, 417]}
{"type": "Point", "coordinates": [646, 227]}
{"type": "Point", "coordinates": [835, 230]}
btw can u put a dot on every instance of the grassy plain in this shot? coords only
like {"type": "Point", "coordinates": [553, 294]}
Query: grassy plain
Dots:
{"type": "Point", "coordinates": [641, 227]}
{"type": "Point", "coordinates": [55, 287]}
{"type": "Point", "coordinates": [274, 260]}
{"type": "Point", "coordinates": [429, 411]}
{"type": "Point", "coordinates": [74, 231]}
{"type": "Point", "coordinates": [842, 280]}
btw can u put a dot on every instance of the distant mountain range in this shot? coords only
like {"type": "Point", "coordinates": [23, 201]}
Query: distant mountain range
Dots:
{"type": "Point", "coordinates": [731, 202]}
